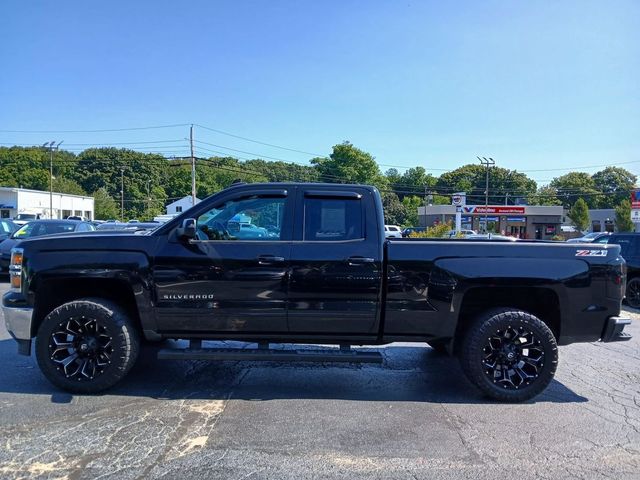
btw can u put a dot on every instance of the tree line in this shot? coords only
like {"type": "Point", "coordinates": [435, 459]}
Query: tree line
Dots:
{"type": "Point", "coordinates": [151, 181]}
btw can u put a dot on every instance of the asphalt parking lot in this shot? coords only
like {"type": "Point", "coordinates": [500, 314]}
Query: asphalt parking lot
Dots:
{"type": "Point", "coordinates": [413, 417]}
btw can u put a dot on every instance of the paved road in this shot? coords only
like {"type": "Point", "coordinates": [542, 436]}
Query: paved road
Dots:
{"type": "Point", "coordinates": [414, 417]}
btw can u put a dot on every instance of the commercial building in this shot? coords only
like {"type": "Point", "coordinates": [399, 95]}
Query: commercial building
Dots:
{"type": "Point", "coordinates": [604, 220]}
{"type": "Point", "coordinates": [22, 200]}
{"type": "Point", "coordinates": [522, 221]}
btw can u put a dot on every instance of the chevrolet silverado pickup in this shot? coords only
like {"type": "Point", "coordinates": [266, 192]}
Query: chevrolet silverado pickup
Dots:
{"type": "Point", "coordinates": [287, 263]}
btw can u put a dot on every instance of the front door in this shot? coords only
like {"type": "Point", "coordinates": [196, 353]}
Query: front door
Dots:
{"type": "Point", "coordinates": [234, 276]}
{"type": "Point", "coordinates": [336, 263]}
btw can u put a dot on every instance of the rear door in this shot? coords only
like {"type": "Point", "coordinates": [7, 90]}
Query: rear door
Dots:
{"type": "Point", "coordinates": [336, 262]}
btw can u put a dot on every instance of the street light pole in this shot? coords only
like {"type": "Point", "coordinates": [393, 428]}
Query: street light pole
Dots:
{"type": "Point", "coordinates": [51, 145]}
{"type": "Point", "coordinates": [122, 194]}
{"type": "Point", "coordinates": [488, 162]}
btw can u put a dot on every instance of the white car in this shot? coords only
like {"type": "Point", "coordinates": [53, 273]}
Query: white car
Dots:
{"type": "Point", "coordinates": [392, 231]}
{"type": "Point", "coordinates": [464, 233]}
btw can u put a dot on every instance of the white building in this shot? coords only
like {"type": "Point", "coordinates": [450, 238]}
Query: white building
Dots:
{"type": "Point", "coordinates": [22, 200]}
{"type": "Point", "coordinates": [179, 206]}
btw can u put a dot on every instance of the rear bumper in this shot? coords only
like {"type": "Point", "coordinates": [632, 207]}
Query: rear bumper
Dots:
{"type": "Point", "coordinates": [613, 330]}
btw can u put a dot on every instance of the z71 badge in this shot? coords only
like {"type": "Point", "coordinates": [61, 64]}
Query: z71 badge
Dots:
{"type": "Point", "coordinates": [591, 253]}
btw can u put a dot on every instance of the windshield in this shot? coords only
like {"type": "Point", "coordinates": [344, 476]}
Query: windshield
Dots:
{"type": "Point", "coordinates": [591, 235]}
{"type": "Point", "coordinates": [36, 229]}
{"type": "Point", "coordinates": [25, 216]}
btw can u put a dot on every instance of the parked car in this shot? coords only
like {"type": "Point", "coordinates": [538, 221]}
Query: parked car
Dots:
{"type": "Point", "coordinates": [127, 226]}
{"type": "Point", "coordinates": [76, 217]}
{"type": "Point", "coordinates": [38, 228]}
{"type": "Point", "coordinates": [630, 251]}
{"type": "Point", "coordinates": [392, 231]}
{"type": "Point", "coordinates": [330, 277]}
{"type": "Point", "coordinates": [409, 230]}
{"type": "Point", "coordinates": [22, 218]}
{"type": "Point", "coordinates": [593, 237]}
{"type": "Point", "coordinates": [464, 233]}
{"type": "Point", "coordinates": [7, 227]}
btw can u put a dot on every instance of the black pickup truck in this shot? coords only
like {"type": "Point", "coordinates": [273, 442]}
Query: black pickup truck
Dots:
{"type": "Point", "coordinates": [307, 263]}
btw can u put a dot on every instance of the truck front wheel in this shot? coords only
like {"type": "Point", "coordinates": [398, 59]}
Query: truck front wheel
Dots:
{"type": "Point", "coordinates": [86, 345]}
{"type": "Point", "coordinates": [510, 355]}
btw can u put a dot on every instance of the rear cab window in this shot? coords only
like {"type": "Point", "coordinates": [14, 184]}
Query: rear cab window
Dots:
{"type": "Point", "coordinates": [333, 217]}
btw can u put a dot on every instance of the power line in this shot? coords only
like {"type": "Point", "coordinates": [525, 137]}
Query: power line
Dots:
{"type": "Point", "coordinates": [98, 130]}
{"type": "Point", "coordinates": [258, 141]}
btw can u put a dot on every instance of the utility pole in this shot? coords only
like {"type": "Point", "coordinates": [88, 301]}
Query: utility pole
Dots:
{"type": "Point", "coordinates": [51, 145]}
{"type": "Point", "coordinates": [122, 194]}
{"type": "Point", "coordinates": [193, 169]}
{"type": "Point", "coordinates": [488, 162]}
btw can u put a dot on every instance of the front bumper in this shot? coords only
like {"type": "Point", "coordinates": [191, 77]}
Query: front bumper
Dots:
{"type": "Point", "coordinates": [613, 330]}
{"type": "Point", "coordinates": [18, 323]}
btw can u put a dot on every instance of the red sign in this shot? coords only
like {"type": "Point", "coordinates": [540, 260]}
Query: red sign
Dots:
{"type": "Point", "coordinates": [635, 200]}
{"type": "Point", "coordinates": [495, 210]}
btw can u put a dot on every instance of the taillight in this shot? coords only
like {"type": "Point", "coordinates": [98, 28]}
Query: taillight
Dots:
{"type": "Point", "coordinates": [15, 268]}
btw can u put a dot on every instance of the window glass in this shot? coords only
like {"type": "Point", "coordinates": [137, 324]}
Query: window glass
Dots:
{"type": "Point", "coordinates": [332, 219]}
{"type": "Point", "coordinates": [254, 218]}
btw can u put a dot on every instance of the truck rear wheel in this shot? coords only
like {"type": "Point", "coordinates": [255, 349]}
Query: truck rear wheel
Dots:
{"type": "Point", "coordinates": [510, 355]}
{"type": "Point", "coordinates": [632, 295]}
{"type": "Point", "coordinates": [86, 345]}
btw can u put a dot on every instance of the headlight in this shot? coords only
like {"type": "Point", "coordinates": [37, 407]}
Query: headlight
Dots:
{"type": "Point", "coordinates": [15, 268]}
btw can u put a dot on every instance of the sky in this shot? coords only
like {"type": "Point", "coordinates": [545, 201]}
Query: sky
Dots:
{"type": "Point", "coordinates": [542, 87]}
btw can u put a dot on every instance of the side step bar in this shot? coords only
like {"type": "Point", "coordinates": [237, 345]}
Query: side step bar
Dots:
{"type": "Point", "coordinates": [265, 354]}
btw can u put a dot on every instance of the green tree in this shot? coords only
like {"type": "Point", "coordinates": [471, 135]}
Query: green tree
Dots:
{"type": "Point", "coordinates": [414, 181]}
{"type": "Point", "coordinates": [579, 214]}
{"type": "Point", "coordinates": [105, 207]}
{"type": "Point", "coordinates": [623, 217]}
{"type": "Point", "coordinates": [504, 184]}
{"type": "Point", "coordinates": [394, 210]}
{"type": "Point", "coordinates": [393, 177]}
{"type": "Point", "coordinates": [348, 164]}
{"type": "Point", "coordinates": [66, 185]}
{"type": "Point", "coordinates": [576, 185]}
{"type": "Point", "coordinates": [616, 183]}
{"type": "Point", "coordinates": [546, 195]}
{"type": "Point", "coordinates": [411, 204]}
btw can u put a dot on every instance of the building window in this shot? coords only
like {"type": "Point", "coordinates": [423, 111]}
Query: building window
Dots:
{"type": "Point", "coordinates": [179, 209]}
{"type": "Point", "coordinates": [87, 215]}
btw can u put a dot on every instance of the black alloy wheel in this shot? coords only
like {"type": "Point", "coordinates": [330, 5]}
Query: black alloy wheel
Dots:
{"type": "Point", "coordinates": [632, 295]}
{"type": "Point", "coordinates": [86, 345]}
{"type": "Point", "coordinates": [513, 357]}
{"type": "Point", "coordinates": [509, 354]}
{"type": "Point", "coordinates": [81, 347]}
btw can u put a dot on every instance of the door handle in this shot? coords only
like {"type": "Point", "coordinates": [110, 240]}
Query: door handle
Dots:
{"type": "Point", "coordinates": [360, 260]}
{"type": "Point", "coordinates": [269, 259]}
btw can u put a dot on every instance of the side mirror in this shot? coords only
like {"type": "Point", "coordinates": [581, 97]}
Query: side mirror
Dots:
{"type": "Point", "coordinates": [188, 229]}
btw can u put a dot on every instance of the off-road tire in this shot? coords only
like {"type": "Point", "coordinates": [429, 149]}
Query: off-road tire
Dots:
{"type": "Point", "coordinates": [115, 325]}
{"type": "Point", "coordinates": [473, 353]}
{"type": "Point", "coordinates": [632, 294]}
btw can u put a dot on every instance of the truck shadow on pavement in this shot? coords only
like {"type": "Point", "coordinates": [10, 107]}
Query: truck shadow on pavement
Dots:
{"type": "Point", "coordinates": [410, 373]}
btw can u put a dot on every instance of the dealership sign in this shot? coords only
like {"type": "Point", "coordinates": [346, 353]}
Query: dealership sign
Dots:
{"type": "Point", "coordinates": [635, 206]}
{"type": "Point", "coordinates": [506, 210]}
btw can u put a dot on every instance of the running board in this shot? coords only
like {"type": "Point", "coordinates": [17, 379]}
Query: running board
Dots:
{"type": "Point", "coordinates": [270, 355]}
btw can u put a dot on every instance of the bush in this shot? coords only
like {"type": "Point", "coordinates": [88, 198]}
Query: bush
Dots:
{"type": "Point", "coordinates": [436, 231]}
{"type": "Point", "coordinates": [558, 238]}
